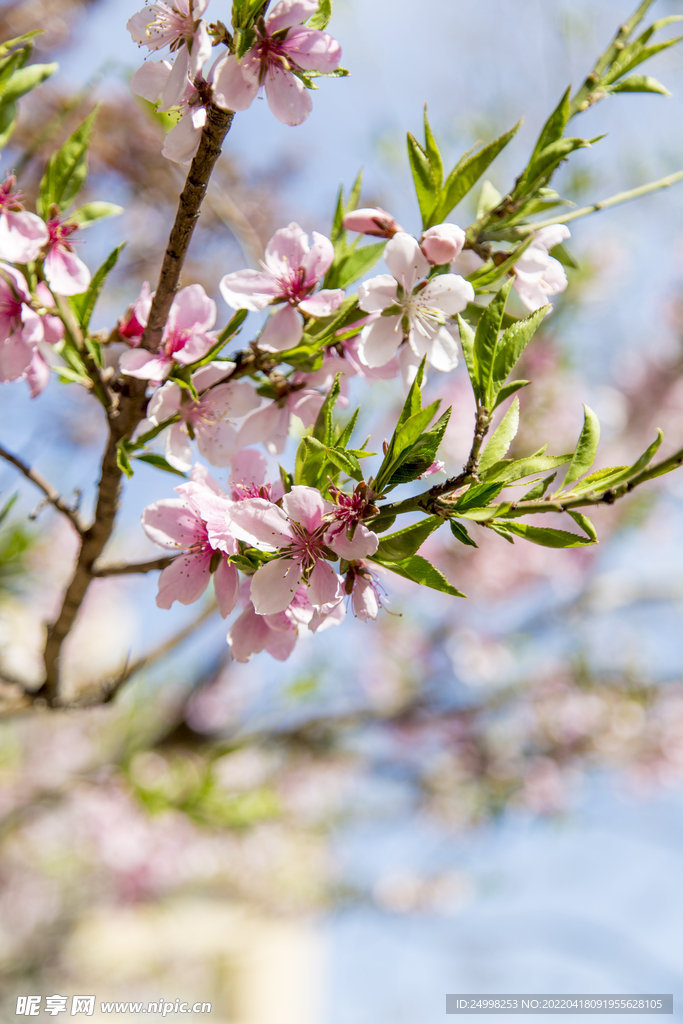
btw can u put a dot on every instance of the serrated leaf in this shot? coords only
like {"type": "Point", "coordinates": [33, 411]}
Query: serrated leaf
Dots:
{"type": "Point", "coordinates": [546, 537]}
{"type": "Point", "coordinates": [586, 449]}
{"type": "Point", "coordinates": [345, 434]}
{"type": "Point", "coordinates": [486, 342]}
{"type": "Point", "coordinates": [461, 534]}
{"type": "Point", "coordinates": [634, 55]}
{"type": "Point", "coordinates": [466, 174]}
{"type": "Point", "coordinates": [601, 479]}
{"type": "Point", "coordinates": [419, 570]}
{"type": "Point", "coordinates": [554, 127]}
{"type": "Point", "coordinates": [90, 212]}
{"type": "Point", "coordinates": [24, 80]}
{"type": "Point", "coordinates": [527, 467]}
{"type": "Point", "coordinates": [433, 154]}
{"type": "Point", "coordinates": [417, 459]}
{"type": "Point", "coordinates": [586, 525]}
{"type": "Point", "coordinates": [67, 169]}
{"type": "Point", "coordinates": [354, 265]}
{"type": "Point", "coordinates": [423, 178]}
{"type": "Point", "coordinates": [323, 429]}
{"type": "Point", "coordinates": [541, 169]}
{"type": "Point", "coordinates": [159, 462]}
{"type": "Point", "coordinates": [321, 18]}
{"type": "Point", "coordinates": [502, 438]}
{"type": "Point", "coordinates": [513, 342]}
{"type": "Point", "coordinates": [477, 496]}
{"type": "Point", "coordinates": [509, 389]}
{"type": "Point", "coordinates": [539, 489]}
{"type": "Point", "coordinates": [408, 541]}
{"type": "Point", "coordinates": [83, 305]}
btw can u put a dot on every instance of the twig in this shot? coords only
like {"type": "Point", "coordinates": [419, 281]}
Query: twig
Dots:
{"type": "Point", "coordinates": [108, 400]}
{"type": "Point", "coordinates": [217, 127]}
{"type": "Point", "coordinates": [46, 487]}
{"type": "Point", "coordinates": [124, 569]}
{"type": "Point", "coordinates": [160, 651]}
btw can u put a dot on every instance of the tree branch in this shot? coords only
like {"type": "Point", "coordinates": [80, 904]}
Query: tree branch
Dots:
{"type": "Point", "coordinates": [125, 569]}
{"type": "Point", "coordinates": [46, 487]}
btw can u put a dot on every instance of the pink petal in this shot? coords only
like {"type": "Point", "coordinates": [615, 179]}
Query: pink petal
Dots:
{"type": "Point", "coordinates": [405, 260]}
{"type": "Point", "coordinates": [323, 303]}
{"type": "Point", "coordinates": [192, 310]}
{"type": "Point", "coordinates": [289, 13]}
{"type": "Point", "coordinates": [15, 357]}
{"type": "Point", "coordinates": [194, 348]}
{"type": "Point", "coordinates": [555, 278]}
{"type": "Point", "coordinates": [306, 405]}
{"type": "Point", "coordinates": [443, 243]}
{"type": "Point", "coordinates": [65, 273]}
{"type": "Point", "coordinates": [318, 259]}
{"type": "Point", "coordinates": [288, 245]}
{"type": "Point", "coordinates": [22, 236]}
{"type": "Point", "coordinates": [37, 374]}
{"type": "Point", "coordinates": [306, 506]}
{"type": "Point", "coordinates": [248, 467]}
{"type": "Point", "coordinates": [182, 142]}
{"type": "Point", "coordinates": [201, 46]}
{"type": "Point", "coordinates": [447, 292]}
{"type": "Point", "coordinates": [530, 290]}
{"type": "Point", "coordinates": [211, 374]}
{"type": "Point", "coordinates": [171, 524]}
{"type": "Point", "coordinates": [149, 81]}
{"type": "Point", "coordinates": [235, 85]}
{"type": "Point", "coordinates": [274, 585]}
{"type": "Point", "coordinates": [249, 289]}
{"type": "Point", "coordinates": [53, 329]}
{"type": "Point", "coordinates": [380, 340]}
{"type": "Point", "coordinates": [177, 81]}
{"type": "Point", "coordinates": [281, 643]}
{"type": "Point", "coordinates": [371, 221]}
{"type": "Point", "coordinates": [288, 97]}
{"type": "Point", "coordinates": [282, 331]}
{"type": "Point", "coordinates": [16, 285]}
{"type": "Point", "coordinates": [365, 603]}
{"type": "Point", "coordinates": [184, 580]}
{"type": "Point", "coordinates": [145, 365]}
{"type": "Point", "coordinates": [201, 475]}
{"type": "Point", "coordinates": [325, 586]}
{"type": "Point", "coordinates": [249, 634]}
{"type": "Point", "coordinates": [377, 294]}
{"type": "Point", "coordinates": [313, 50]}
{"type": "Point", "coordinates": [268, 425]}
{"type": "Point", "coordinates": [364, 543]}
{"type": "Point", "coordinates": [227, 584]}
{"type": "Point", "coordinates": [217, 441]}
{"type": "Point", "coordinates": [178, 450]}
{"type": "Point", "coordinates": [235, 399]}
{"type": "Point", "coordinates": [260, 523]}
{"type": "Point", "coordinates": [552, 235]}
{"type": "Point", "coordinates": [164, 403]}
{"type": "Point", "coordinates": [441, 349]}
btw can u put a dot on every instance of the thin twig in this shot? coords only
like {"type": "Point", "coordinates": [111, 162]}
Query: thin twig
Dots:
{"type": "Point", "coordinates": [125, 569]}
{"type": "Point", "coordinates": [50, 492]}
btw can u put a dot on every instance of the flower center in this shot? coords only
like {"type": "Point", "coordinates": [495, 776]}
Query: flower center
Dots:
{"type": "Point", "coordinates": [10, 200]}
{"type": "Point", "coordinates": [175, 342]}
{"type": "Point", "coordinates": [423, 318]}
{"type": "Point", "coordinates": [270, 52]}
{"type": "Point", "coordinates": [59, 232]}
{"type": "Point", "coordinates": [306, 547]}
{"type": "Point", "coordinates": [169, 25]}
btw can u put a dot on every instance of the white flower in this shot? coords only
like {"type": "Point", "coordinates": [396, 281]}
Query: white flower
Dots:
{"type": "Point", "coordinates": [417, 308]}
{"type": "Point", "coordinates": [537, 273]}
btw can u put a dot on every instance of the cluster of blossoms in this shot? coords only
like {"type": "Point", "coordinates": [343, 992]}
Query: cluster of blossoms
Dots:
{"type": "Point", "coordinates": [285, 52]}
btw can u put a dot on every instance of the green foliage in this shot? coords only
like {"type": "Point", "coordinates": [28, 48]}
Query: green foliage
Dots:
{"type": "Point", "coordinates": [419, 570]}
{"type": "Point", "coordinates": [87, 214]}
{"type": "Point", "coordinates": [586, 448]}
{"type": "Point", "coordinates": [349, 262]}
{"type": "Point", "coordinates": [322, 455]}
{"type": "Point", "coordinates": [461, 534]}
{"type": "Point", "coordinates": [502, 438]}
{"type": "Point", "coordinates": [466, 174]}
{"type": "Point", "coordinates": [17, 79]}
{"type": "Point", "coordinates": [83, 305]}
{"type": "Point", "coordinates": [321, 19]}
{"type": "Point", "coordinates": [159, 463]}
{"type": "Point", "coordinates": [408, 541]}
{"type": "Point", "coordinates": [15, 542]}
{"type": "Point", "coordinates": [67, 169]}
{"type": "Point", "coordinates": [507, 472]}
{"type": "Point", "coordinates": [544, 536]}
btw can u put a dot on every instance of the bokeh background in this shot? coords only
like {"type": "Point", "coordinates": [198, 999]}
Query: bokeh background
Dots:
{"type": "Point", "coordinates": [479, 796]}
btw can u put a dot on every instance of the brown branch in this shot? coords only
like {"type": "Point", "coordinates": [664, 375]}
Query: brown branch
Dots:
{"type": "Point", "coordinates": [125, 569]}
{"type": "Point", "coordinates": [46, 487]}
{"type": "Point", "coordinates": [217, 127]}
{"type": "Point", "coordinates": [132, 403]}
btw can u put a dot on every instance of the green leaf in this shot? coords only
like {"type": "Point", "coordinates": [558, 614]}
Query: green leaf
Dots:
{"type": "Point", "coordinates": [408, 541]}
{"type": "Point", "coordinates": [545, 537]}
{"type": "Point", "coordinates": [467, 343]}
{"type": "Point", "coordinates": [491, 270]}
{"type": "Point", "coordinates": [24, 80]}
{"type": "Point", "coordinates": [433, 154]}
{"type": "Point", "coordinates": [90, 212]}
{"type": "Point", "coordinates": [640, 83]}
{"type": "Point", "coordinates": [122, 460]}
{"type": "Point", "coordinates": [509, 389]}
{"type": "Point", "coordinates": [586, 449]}
{"type": "Point", "coordinates": [323, 429]}
{"type": "Point", "coordinates": [423, 177]}
{"type": "Point", "coordinates": [419, 570]}
{"type": "Point", "coordinates": [489, 199]}
{"type": "Point", "coordinates": [233, 326]}
{"type": "Point", "coordinates": [461, 534]}
{"type": "Point", "coordinates": [477, 496]}
{"type": "Point", "coordinates": [601, 479]}
{"type": "Point", "coordinates": [83, 305]}
{"type": "Point", "coordinates": [513, 342]}
{"type": "Point", "coordinates": [554, 127]}
{"type": "Point", "coordinates": [561, 253]}
{"type": "Point", "coordinates": [354, 265]}
{"type": "Point", "coordinates": [502, 437]}
{"type": "Point", "coordinates": [8, 122]}
{"type": "Point", "coordinates": [586, 525]}
{"type": "Point", "coordinates": [539, 489]}
{"type": "Point", "coordinates": [542, 167]}
{"type": "Point", "coordinates": [67, 169]}
{"type": "Point", "coordinates": [486, 342]}
{"type": "Point", "coordinates": [345, 434]}
{"type": "Point", "coordinates": [633, 55]}
{"type": "Point", "coordinates": [466, 174]}
{"type": "Point", "coordinates": [321, 18]}
{"type": "Point", "coordinates": [420, 456]}
{"type": "Point", "coordinates": [526, 467]}
{"type": "Point", "coordinates": [159, 463]}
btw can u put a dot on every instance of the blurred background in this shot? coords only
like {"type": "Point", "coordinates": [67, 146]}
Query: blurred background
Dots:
{"type": "Point", "coordinates": [479, 796]}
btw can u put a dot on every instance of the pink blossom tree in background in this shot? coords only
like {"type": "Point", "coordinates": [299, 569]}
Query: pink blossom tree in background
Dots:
{"type": "Point", "coordinates": [456, 317]}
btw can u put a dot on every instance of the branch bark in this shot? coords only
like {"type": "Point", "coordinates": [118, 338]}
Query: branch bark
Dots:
{"type": "Point", "coordinates": [125, 569]}
{"type": "Point", "coordinates": [50, 492]}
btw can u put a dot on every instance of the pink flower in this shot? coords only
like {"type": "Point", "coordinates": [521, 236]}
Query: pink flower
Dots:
{"type": "Point", "coordinates": [177, 524]}
{"type": "Point", "coordinates": [65, 273]}
{"type": "Point", "coordinates": [372, 221]}
{"type": "Point", "coordinates": [283, 48]}
{"type": "Point", "coordinates": [301, 535]}
{"type": "Point", "coordinates": [152, 81]}
{"type": "Point", "coordinates": [351, 348]}
{"type": "Point", "coordinates": [133, 322]}
{"type": "Point", "coordinates": [348, 536]}
{"type": "Point", "coordinates": [22, 235]}
{"type": "Point", "coordinates": [175, 24]}
{"type": "Point", "coordinates": [422, 308]}
{"type": "Point", "coordinates": [436, 467]}
{"type": "Point", "coordinates": [291, 270]}
{"type": "Point", "coordinates": [363, 585]}
{"type": "Point", "coordinates": [210, 420]}
{"type": "Point", "coordinates": [248, 478]}
{"type": "Point", "coordinates": [277, 634]}
{"type": "Point", "coordinates": [269, 425]}
{"type": "Point", "coordinates": [537, 273]}
{"type": "Point", "coordinates": [20, 326]}
{"type": "Point", "coordinates": [186, 337]}
{"type": "Point", "coordinates": [442, 243]}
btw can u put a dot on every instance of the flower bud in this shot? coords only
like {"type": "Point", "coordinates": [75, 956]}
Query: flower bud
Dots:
{"type": "Point", "coordinates": [372, 222]}
{"type": "Point", "coordinates": [442, 243]}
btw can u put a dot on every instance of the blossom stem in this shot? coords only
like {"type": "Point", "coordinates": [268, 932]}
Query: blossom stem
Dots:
{"type": "Point", "coordinates": [46, 487]}
{"type": "Point", "coordinates": [216, 128]}
{"type": "Point", "coordinates": [124, 568]}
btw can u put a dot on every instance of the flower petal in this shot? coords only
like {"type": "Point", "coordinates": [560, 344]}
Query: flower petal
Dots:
{"type": "Point", "coordinates": [323, 303]}
{"type": "Point", "coordinates": [380, 340]}
{"type": "Point", "coordinates": [65, 273]}
{"type": "Point", "coordinates": [377, 294]}
{"type": "Point", "coordinates": [211, 374]}
{"type": "Point", "coordinates": [192, 310]}
{"type": "Point", "coordinates": [288, 245]}
{"type": "Point", "coordinates": [249, 289]}
{"type": "Point", "coordinates": [235, 84]}
{"type": "Point", "coordinates": [37, 374]}
{"type": "Point", "coordinates": [288, 13]}
{"type": "Point", "coordinates": [313, 50]}
{"type": "Point", "coordinates": [364, 543]}
{"type": "Point", "coordinates": [217, 441]}
{"type": "Point", "coordinates": [178, 450]}
{"type": "Point", "coordinates": [274, 584]}
{"type": "Point", "coordinates": [145, 365]}
{"type": "Point", "coordinates": [318, 260]}
{"type": "Point", "coordinates": [325, 586]}
{"type": "Point", "coordinates": [170, 523]}
{"type": "Point", "coordinates": [268, 425]}
{"type": "Point", "coordinates": [447, 292]}
{"type": "Point", "coordinates": [248, 635]}
{"type": "Point", "coordinates": [282, 642]}
{"type": "Point", "coordinates": [551, 236]}
{"type": "Point", "coordinates": [306, 506]}
{"type": "Point", "coordinates": [248, 467]}
{"type": "Point", "coordinates": [282, 331]}
{"type": "Point", "coordinates": [164, 403]}
{"type": "Point", "coordinates": [260, 523]}
{"type": "Point", "coordinates": [184, 580]}
{"type": "Point", "coordinates": [405, 260]}
{"type": "Point", "coordinates": [227, 585]}
{"type": "Point", "coordinates": [288, 97]}
{"type": "Point", "coordinates": [22, 236]}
